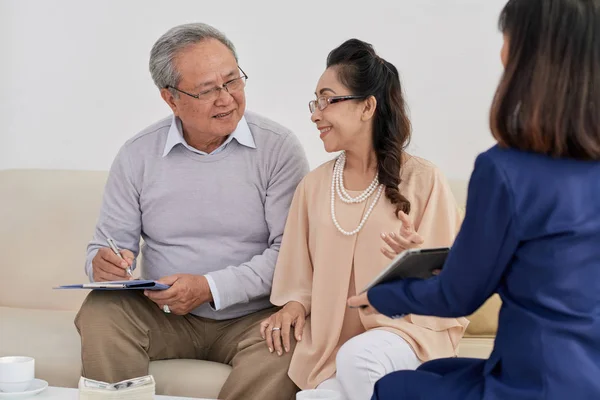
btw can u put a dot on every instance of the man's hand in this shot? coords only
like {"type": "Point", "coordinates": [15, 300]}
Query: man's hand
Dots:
{"type": "Point", "coordinates": [277, 328]}
{"type": "Point", "coordinates": [186, 293]}
{"type": "Point", "coordinates": [107, 266]}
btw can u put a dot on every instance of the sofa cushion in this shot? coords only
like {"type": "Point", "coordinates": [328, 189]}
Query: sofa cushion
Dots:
{"type": "Point", "coordinates": [189, 378]}
{"type": "Point", "coordinates": [48, 336]}
{"type": "Point", "coordinates": [484, 321]}
{"type": "Point", "coordinates": [475, 347]}
{"type": "Point", "coordinates": [51, 338]}
{"type": "Point", "coordinates": [48, 218]}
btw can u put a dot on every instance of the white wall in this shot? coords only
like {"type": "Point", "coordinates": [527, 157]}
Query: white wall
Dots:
{"type": "Point", "coordinates": [74, 81]}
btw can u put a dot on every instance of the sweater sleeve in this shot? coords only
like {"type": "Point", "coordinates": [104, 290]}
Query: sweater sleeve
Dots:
{"type": "Point", "coordinates": [120, 215]}
{"type": "Point", "coordinates": [253, 279]}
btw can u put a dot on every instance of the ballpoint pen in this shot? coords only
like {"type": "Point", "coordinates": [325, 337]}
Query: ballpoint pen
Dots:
{"type": "Point", "coordinates": [115, 249]}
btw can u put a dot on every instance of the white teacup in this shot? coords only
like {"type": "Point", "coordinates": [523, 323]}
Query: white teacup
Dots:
{"type": "Point", "coordinates": [16, 373]}
{"type": "Point", "coordinates": [320, 394]}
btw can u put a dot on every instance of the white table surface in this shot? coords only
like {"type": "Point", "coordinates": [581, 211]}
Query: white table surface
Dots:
{"type": "Point", "coordinates": [55, 393]}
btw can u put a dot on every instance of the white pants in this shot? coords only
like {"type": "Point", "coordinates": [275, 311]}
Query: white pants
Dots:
{"type": "Point", "coordinates": [366, 358]}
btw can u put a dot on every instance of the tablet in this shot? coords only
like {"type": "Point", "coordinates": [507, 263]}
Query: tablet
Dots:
{"type": "Point", "coordinates": [412, 263]}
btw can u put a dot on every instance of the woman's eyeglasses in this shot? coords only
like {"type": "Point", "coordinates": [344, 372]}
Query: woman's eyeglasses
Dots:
{"type": "Point", "coordinates": [322, 102]}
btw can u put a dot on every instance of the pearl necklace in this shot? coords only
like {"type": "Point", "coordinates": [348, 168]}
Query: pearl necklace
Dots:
{"type": "Point", "coordinates": [337, 186]}
{"type": "Point", "coordinates": [341, 190]}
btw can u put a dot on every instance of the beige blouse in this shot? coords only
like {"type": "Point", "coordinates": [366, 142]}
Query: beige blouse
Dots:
{"type": "Point", "coordinates": [320, 267]}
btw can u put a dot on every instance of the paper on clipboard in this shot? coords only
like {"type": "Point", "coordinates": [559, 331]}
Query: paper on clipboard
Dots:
{"type": "Point", "coordinates": [139, 284]}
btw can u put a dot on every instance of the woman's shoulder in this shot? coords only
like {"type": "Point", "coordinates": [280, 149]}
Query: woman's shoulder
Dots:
{"type": "Point", "coordinates": [419, 178]}
{"type": "Point", "coordinates": [414, 167]}
{"type": "Point", "coordinates": [322, 173]}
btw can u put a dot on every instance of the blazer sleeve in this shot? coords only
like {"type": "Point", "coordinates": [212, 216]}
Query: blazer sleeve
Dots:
{"type": "Point", "coordinates": [481, 253]}
{"type": "Point", "coordinates": [293, 276]}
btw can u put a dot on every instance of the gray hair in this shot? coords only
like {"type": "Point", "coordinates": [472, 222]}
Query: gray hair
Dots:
{"type": "Point", "coordinates": [167, 47]}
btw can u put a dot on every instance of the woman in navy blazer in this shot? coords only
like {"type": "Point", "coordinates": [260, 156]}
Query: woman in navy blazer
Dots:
{"type": "Point", "coordinates": [532, 227]}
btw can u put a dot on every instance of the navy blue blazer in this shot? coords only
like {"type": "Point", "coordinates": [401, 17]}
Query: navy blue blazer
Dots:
{"type": "Point", "coordinates": [531, 234]}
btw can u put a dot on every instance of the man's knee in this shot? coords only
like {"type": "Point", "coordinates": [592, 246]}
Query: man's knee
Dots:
{"type": "Point", "coordinates": [261, 352]}
{"type": "Point", "coordinates": [258, 357]}
{"type": "Point", "coordinates": [102, 310]}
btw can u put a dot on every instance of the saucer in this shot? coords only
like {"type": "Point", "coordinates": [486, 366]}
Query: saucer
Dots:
{"type": "Point", "coordinates": [36, 386]}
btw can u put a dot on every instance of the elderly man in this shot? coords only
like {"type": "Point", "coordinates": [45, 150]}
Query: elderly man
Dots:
{"type": "Point", "coordinates": [208, 189]}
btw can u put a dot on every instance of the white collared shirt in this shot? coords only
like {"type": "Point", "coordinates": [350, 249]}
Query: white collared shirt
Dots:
{"type": "Point", "coordinates": [175, 136]}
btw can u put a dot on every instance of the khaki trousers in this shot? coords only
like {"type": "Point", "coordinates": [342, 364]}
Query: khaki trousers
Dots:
{"type": "Point", "coordinates": [122, 331]}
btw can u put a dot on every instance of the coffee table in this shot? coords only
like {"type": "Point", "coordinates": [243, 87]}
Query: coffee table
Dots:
{"type": "Point", "coordinates": [56, 393]}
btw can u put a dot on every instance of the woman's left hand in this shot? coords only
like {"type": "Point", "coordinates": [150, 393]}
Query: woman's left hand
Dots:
{"type": "Point", "coordinates": [407, 238]}
{"type": "Point", "coordinates": [362, 301]}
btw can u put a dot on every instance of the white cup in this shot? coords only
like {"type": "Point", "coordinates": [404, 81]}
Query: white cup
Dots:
{"type": "Point", "coordinates": [16, 373]}
{"type": "Point", "coordinates": [320, 394]}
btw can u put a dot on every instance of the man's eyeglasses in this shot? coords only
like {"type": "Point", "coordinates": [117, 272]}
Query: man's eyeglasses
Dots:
{"type": "Point", "coordinates": [322, 102]}
{"type": "Point", "coordinates": [208, 96]}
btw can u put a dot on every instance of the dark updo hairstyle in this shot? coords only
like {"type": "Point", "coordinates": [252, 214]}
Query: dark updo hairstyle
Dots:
{"type": "Point", "coordinates": [362, 71]}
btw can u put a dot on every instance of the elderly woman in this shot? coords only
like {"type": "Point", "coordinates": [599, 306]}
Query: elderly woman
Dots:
{"type": "Point", "coordinates": [334, 231]}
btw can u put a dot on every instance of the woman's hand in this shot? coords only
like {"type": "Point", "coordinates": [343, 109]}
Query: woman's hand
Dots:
{"type": "Point", "coordinates": [407, 238]}
{"type": "Point", "coordinates": [277, 328]}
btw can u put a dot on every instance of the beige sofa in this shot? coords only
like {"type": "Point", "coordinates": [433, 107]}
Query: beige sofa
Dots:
{"type": "Point", "coordinates": [46, 220]}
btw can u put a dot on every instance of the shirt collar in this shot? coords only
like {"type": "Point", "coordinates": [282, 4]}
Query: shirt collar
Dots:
{"type": "Point", "coordinates": [242, 134]}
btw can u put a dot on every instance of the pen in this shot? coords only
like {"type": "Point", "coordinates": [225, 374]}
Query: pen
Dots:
{"type": "Point", "coordinates": [115, 249]}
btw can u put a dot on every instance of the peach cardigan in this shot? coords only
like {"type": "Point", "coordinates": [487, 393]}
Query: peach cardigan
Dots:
{"type": "Point", "coordinates": [320, 268]}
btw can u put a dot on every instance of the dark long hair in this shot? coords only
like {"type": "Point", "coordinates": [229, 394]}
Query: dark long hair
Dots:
{"type": "Point", "coordinates": [362, 71]}
{"type": "Point", "coordinates": [548, 100]}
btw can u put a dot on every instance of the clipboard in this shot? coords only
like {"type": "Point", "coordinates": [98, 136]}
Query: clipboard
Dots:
{"type": "Point", "coordinates": [136, 284]}
{"type": "Point", "coordinates": [412, 263]}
